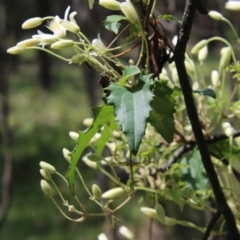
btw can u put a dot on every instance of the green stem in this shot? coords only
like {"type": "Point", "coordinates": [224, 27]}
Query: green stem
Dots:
{"type": "Point", "coordinates": [50, 52]}
{"type": "Point", "coordinates": [63, 178]}
{"type": "Point", "coordinates": [60, 194]}
{"type": "Point", "coordinates": [226, 42]}
{"type": "Point", "coordinates": [232, 28]}
{"type": "Point", "coordinates": [83, 182]}
{"type": "Point", "coordinates": [122, 204]}
{"type": "Point", "coordinates": [71, 219]}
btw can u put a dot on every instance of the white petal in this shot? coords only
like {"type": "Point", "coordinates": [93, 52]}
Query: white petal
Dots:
{"type": "Point", "coordinates": [71, 17]}
{"type": "Point", "coordinates": [66, 13]}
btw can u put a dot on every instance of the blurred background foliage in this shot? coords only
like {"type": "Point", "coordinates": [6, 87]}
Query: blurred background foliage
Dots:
{"type": "Point", "coordinates": [46, 98]}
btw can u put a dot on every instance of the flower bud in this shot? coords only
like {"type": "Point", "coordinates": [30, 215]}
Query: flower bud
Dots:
{"type": "Point", "coordinates": [15, 50]}
{"type": "Point", "coordinates": [66, 153]}
{"type": "Point", "coordinates": [215, 78]}
{"type": "Point", "coordinates": [131, 62]}
{"type": "Point", "coordinates": [174, 74]}
{"type": "Point", "coordinates": [88, 122]}
{"type": "Point", "coordinates": [215, 15]}
{"type": "Point", "coordinates": [202, 54]}
{"type": "Point", "coordinates": [102, 236]}
{"type": "Point", "coordinates": [113, 193]}
{"type": "Point", "coordinates": [98, 44]}
{"type": "Point", "coordinates": [149, 212]}
{"type": "Point", "coordinates": [62, 44]}
{"type": "Point", "coordinates": [46, 188]}
{"type": "Point", "coordinates": [233, 5]}
{"type": "Point", "coordinates": [74, 135]}
{"type": "Point", "coordinates": [45, 174]}
{"type": "Point", "coordinates": [226, 54]}
{"type": "Point", "coordinates": [47, 167]}
{"type": "Point", "coordinates": [129, 11]}
{"type": "Point", "coordinates": [195, 86]}
{"type": "Point", "coordinates": [28, 43]}
{"type": "Point", "coordinates": [32, 23]}
{"type": "Point", "coordinates": [189, 67]}
{"type": "Point", "coordinates": [126, 232]}
{"type": "Point", "coordinates": [199, 46]}
{"type": "Point", "coordinates": [95, 138]}
{"type": "Point", "coordinates": [228, 129]}
{"type": "Point", "coordinates": [78, 58]}
{"type": "Point", "coordinates": [110, 4]}
{"type": "Point", "coordinates": [97, 193]}
{"type": "Point", "coordinates": [89, 163]}
{"type": "Point", "coordinates": [174, 40]}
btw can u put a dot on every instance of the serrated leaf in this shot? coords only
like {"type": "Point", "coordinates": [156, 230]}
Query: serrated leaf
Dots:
{"type": "Point", "coordinates": [112, 23]}
{"type": "Point", "coordinates": [132, 108]}
{"type": "Point", "coordinates": [131, 71]}
{"type": "Point", "coordinates": [100, 144]}
{"type": "Point", "coordinates": [206, 92]}
{"type": "Point", "coordinates": [160, 213]}
{"type": "Point", "coordinates": [194, 176]}
{"type": "Point", "coordinates": [128, 72]}
{"type": "Point", "coordinates": [163, 108]}
{"type": "Point", "coordinates": [102, 115]}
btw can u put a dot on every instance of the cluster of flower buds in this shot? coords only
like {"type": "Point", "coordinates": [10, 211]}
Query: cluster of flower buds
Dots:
{"type": "Point", "coordinates": [56, 25]}
{"type": "Point", "coordinates": [46, 171]}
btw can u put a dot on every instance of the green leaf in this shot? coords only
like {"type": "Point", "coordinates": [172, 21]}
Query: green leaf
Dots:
{"type": "Point", "coordinates": [131, 71]}
{"type": "Point", "coordinates": [102, 115]}
{"type": "Point", "coordinates": [194, 176]}
{"type": "Point", "coordinates": [160, 212]}
{"type": "Point", "coordinates": [100, 144]}
{"type": "Point", "coordinates": [128, 72]}
{"type": "Point", "coordinates": [163, 105]}
{"type": "Point", "coordinates": [168, 17]}
{"type": "Point", "coordinates": [112, 23]}
{"type": "Point", "coordinates": [206, 92]}
{"type": "Point", "coordinates": [132, 107]}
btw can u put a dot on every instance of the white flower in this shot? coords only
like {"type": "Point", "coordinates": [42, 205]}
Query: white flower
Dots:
{"type": "Point", "coordinates": [57, 29]}
{"type": "Point", "coordinates": [71, 24]}
{"type": "Point", "coordinates": [44, 38]}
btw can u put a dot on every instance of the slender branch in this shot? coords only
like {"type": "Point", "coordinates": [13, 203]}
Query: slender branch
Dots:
{"type": "Point", "coordinates": [183, 36]}
{"type": "Point", "coordinates": [211, 225]}
{"type": "Point", "coordinates": [190, 146]}
{"type": "Point", "coordinates": [147, 14]}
